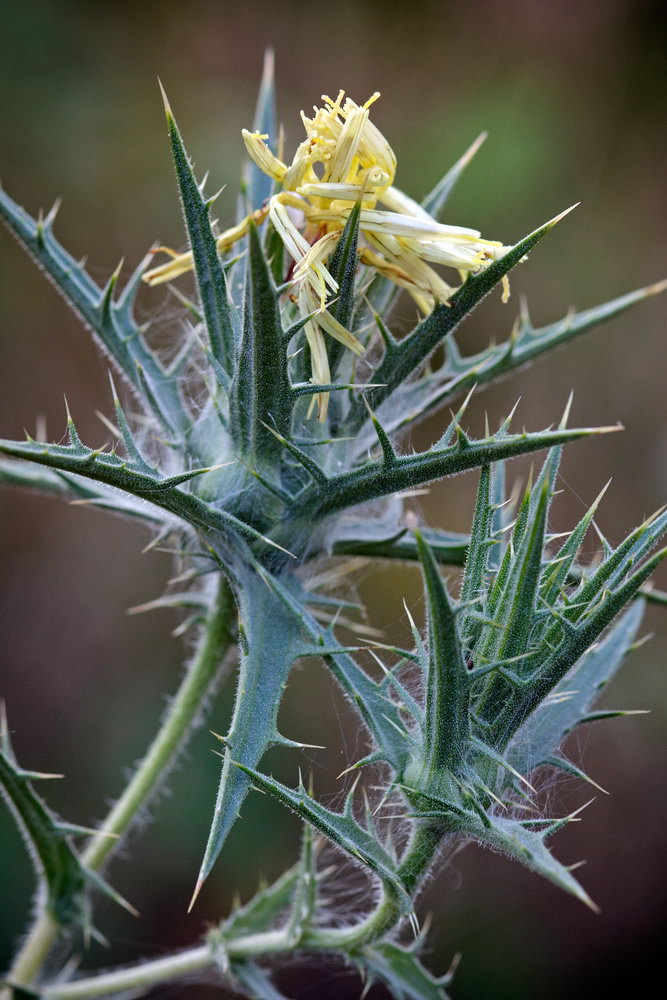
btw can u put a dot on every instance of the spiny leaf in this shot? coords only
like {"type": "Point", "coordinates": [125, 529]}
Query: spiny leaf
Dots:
{"type": "Point", "coordinates": [111, 321]}
{"type": "Point", "coordinates": [258, 185]}
{"type": "Point", "coordinates": [256, 981]}
{"type": "Point", "coordinates": [208, 270]}
{"type": "Point", "coordinates": [374, 480]}
{"type": "Point", "coordinates": [352, 538]}
{"type": "Point", "coordinates": [64, 877]}
{"type": "Point", "coordinates": [528, 847]}
{"type": "Point", "coordinates": [573, 645]}
{"type": "Point", "coordinates": [411, 352]}
{"type": "Point", "coordinates": [109, 468]}
{"type": "Point", "coordinates": [480, 539]}
{"type": "Point", "coordinates": [343, 267]}
{"type": "Point", "coordinates": [341, 828]}
{"type": "Point", "coordinates": [378, 712]}
{"type": "Point", "coordinates": [435, 201]}
{"type": "Point", "coordinates": [555, 579]}
{"type": "Point", "coordinates": [273, 640]}
{"type": "Point", "coordinates": [517, 607]}
{"type": "Point", "coordinates": [261, 393]}
{"type": "Point", "coordinates": [263, 910]}
{"type": "Point", "coordinates": [401, 971]}
{"type": "Point", "coordinates": [304, 902]}
{"type": "Point", "coordinates": [446, 715]}
{"type": "Point", "coordinates": [415, 400]}
{"type": "Point", "coordinates": [546, 728]}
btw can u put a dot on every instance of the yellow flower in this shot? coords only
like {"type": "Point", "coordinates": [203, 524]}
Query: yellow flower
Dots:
{"type": "Point", "coordinates": [345, 159]}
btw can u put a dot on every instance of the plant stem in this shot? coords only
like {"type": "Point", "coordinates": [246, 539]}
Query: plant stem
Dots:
{"type": "Point", "coordinates": [34, 951]}
{"type": "Point", "coordinates": [216, 638]}
{"type": "Point", "coordinates": [182, 714]}
{"type": "Point", "coordinates": [415, 863]}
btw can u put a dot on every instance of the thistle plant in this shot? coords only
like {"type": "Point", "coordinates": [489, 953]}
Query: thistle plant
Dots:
{"type": "Point", "coordinates": [275, 442]}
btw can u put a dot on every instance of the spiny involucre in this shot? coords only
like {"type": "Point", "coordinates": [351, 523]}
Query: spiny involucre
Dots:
{"type": "Point", "coordinates": [292, 452]}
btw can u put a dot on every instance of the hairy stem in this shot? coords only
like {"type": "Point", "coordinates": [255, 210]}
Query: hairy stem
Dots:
{"type": "Point", "coordinates": [216, 639]}
{"type": "Point", "coordinates": [415, 864]}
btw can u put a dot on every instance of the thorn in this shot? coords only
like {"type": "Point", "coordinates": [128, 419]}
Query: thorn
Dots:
{"type": "Point", "coordinates": [473, 149]}
{"type": "Point", "coordinates": [510, 416]}
{"type": "Point", "coordinates": [610, 429]}
{"type": "Point", "coordinates": [566, 412]}
{"type": "Point", "coordinates": [451, 971]}
{"type": "Point", "coordinates": [200, 881]}
{"type": "Point", "coordinates": [585, 898]}
{"type": "Point", "coordinates": [658, 287]}
{"type": "Point", "coordinates": [50, 218]}
{"type": "Point", "coordinates": [168, 111]}
{"type": "Point", "coordinates": [116, 274]}
{"type": "Point", "coordinates": [110, 426]}
{"type": "Point", "coordinates": [557, 218]}
{"type": "Point", "coordinates": [40, 429]}
{"type": "Point", "coordinates": [268, 67]}
{"type": "Point", "coordinates": [347, 770]}
{"type": "Point", "coordinates": [464, 405]}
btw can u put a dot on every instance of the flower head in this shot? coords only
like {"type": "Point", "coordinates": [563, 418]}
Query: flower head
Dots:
{"type": "Point", "coordinates": [344, 159]}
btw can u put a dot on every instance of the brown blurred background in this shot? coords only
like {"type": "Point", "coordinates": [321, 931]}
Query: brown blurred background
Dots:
{"type": "Point", "coordinates": [573, 95]}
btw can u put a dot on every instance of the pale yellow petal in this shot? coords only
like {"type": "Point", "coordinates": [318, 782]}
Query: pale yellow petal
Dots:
{"type": "Point", "coordinates": [346, 147]}
{"type": "Point", "coordinates": [398, 201]}
{"type": "Point", "coordinates": [258, 150]}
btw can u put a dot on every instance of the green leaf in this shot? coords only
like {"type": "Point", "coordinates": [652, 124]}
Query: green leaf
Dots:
{"type": "Point", "coordinates": [273, 640]}
{"type": "Point", "coordinates": [258, 185]}
{"type": "Point", "coordinates": [304, 902]}
{"type": "Point", "coordinates": [255, 981]}
{"type": "Point", "coordinates": [23, 475]}
{"type": "Point", "coordinates": [571, 700]}
{"type": "Point", "coordinates": [447, 687]}
{"type": "Point", "coordinates": [374, 479]}
{"type": "Point", "coordinates": [380, 715]}
{"type": "Point", "coordinates": [65, 879]}
{"type": "Point", "coordinates": [343, 268]}
{"type": "Point", "coordinates": [415, 400]}
{"type": "Point", "coordinates": [482, 541]}
{"type": "Point", "coordinates": [401, 971]}
{"type": "Point", "coordinates": [436, 200]}
{"type": "Point", "coordinates": [555, 579]}
{"type": "Point", "coordinates": [111, 469]}
{"type": "Point", "coordinates": [341, 829]}
{"type": "Point", "coordinates": [352, 538]}
{"type": "Point", "coordinates": [517, 607]}
{"type": "Point", "coordinates": [263, 910]}
{"type": "Point", "coordinates": [110, 320]}
{"type": "Point", "coordinates": [411, 352]}
{"type": "Point", "coordinates": [261, 396]}
{"type": "Point", "coordinates": [528, 847]}
{"type": "Point", "coordinates": [474, 577]}
{"type": "Point", "coordinates": [575, 642]}
{"type": "Point", "coordinates": [209, 273]}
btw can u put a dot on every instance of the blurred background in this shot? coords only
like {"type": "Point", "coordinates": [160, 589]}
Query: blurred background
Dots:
{"type": "Point", "coordinates": [573, 95]}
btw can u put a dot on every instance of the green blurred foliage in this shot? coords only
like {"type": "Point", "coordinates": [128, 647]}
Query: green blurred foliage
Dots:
{"type": "Point", "coordinates": [573, 96]}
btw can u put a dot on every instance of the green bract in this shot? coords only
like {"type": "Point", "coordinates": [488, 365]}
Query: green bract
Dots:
{"type": "Point", "coordinates": [258, 491]}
